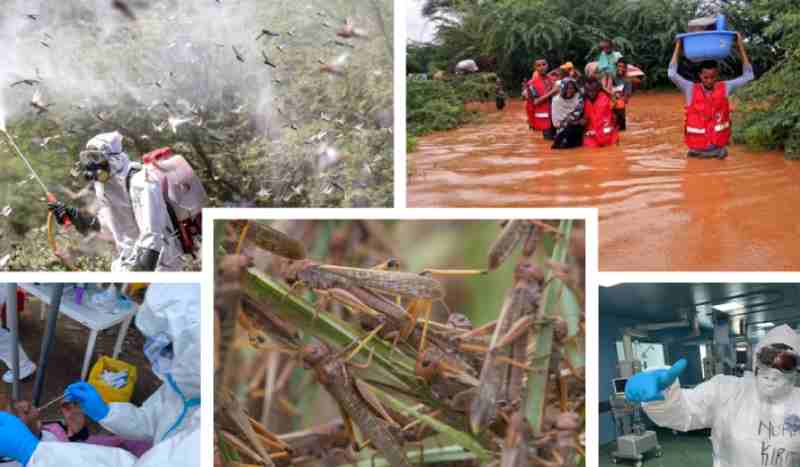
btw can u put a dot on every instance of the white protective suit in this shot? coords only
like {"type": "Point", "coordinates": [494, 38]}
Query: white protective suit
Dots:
{"type": "Point", "coordinates": [170, 417]}
{"type": "Point", "coordinates": [26, 366]}
{"type": "Point", "coordinates": [747, 428]}
{"type": "Point", "coordinates": [137, 217]}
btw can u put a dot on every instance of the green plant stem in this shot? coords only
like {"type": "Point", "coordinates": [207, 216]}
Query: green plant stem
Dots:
{"type": "Point", "coordinates": [425, 456]}
{"type": "Point", "coordinates": [539, 373]}
{"type": "Point", "coordinates": [459, 437]}
{"type": "Point", "coordinates": [291, 308]}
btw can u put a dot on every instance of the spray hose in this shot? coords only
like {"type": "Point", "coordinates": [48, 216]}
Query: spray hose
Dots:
{"type": "Point", "coordinates": [51, 237]}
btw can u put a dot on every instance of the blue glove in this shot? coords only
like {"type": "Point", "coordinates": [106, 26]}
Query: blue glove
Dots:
{"type": "Point", "coordinates": [647, 386]}
{"type": "Point", "coordinates": [89, 399]}
{"type": "Point", "coordinates": [16, 440]}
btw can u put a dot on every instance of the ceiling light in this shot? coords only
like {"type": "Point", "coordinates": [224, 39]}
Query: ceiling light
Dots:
{"type": "Point", "coordinates": [764, 325]}
{"type": "Point", "coordinates": [727, 306]}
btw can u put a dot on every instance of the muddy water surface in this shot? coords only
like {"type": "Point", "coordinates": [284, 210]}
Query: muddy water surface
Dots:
{"type": "Point", "coordinates": [658, 209]}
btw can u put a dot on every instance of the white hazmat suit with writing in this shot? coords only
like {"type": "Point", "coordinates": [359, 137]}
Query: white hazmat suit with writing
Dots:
{"type": "Point", "coordinates": [133, 207]}
{"type": "Point", "coordinates": [170, 417]}
{"type": "Point", "coordinates": [754, 421]}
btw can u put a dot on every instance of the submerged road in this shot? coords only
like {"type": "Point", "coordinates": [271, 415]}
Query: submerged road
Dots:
{"type": "Point", "coordinates": [658, 209]}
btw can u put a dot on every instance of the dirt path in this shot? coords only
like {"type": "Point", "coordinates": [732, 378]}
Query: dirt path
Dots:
{"type": "Point", "coordinates": [658, 209]}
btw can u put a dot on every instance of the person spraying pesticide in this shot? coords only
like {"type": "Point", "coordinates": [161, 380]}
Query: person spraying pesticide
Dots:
{"type": "Point", "coordinates": [152, 209]}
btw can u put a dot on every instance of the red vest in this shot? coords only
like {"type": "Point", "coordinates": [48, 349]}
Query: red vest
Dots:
{"type": "Point", "coordinates": [541, 112]}
{"type": "Point", "coordinates": [601, 127]}
{"type": "Point", "coordinates": [708, 118]}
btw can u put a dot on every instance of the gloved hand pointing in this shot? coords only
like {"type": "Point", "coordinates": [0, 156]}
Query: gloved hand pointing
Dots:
{"type": "Point", "coordinates": [89, 399]}
{"type": "Point", "coordinates": [16, 440]}
{"type": "Point", "coordinates": [647, 386]}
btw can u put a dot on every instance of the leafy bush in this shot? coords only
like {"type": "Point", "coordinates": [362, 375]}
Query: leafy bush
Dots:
{"type": "Point", "coordinates": [437, 105]}
{"type": "Point", "coordinates": [769, 110]}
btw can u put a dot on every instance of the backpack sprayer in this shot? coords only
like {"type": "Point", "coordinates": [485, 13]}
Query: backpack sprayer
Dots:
{"type": "Point", "coordinates": [51, 198]}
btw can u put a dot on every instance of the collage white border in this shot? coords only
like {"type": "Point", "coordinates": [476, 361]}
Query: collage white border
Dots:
{"type": "Point", "coordinates": [593, 277]}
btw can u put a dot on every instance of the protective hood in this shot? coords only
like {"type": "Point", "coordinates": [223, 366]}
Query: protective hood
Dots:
{"type": "Point", "coordinates": [782, 334]}
{"type": "Point", "coordinates": [173, 311]}
{"type": "Point", "coordinates": [110, 144]}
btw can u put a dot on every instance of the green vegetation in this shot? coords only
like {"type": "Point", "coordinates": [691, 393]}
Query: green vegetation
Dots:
{"type": "Point", "coordinates": [436, 105]}
{"type": "Point", "coordinates": [769, 108]}
{"type": "Point", "coordinates": [515, 32]}
{"type": "Point", "coordinates": [315, 130]}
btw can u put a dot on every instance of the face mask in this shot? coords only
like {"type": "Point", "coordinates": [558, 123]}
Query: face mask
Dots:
{"type": "Point", "coordinates": [158, 350]}
{"type": "Point", "coordinates": [94, 166]}
{"type": "Point", "coordinates": [773, 383]}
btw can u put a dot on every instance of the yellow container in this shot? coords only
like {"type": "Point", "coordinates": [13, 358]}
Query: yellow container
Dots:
{"type": "Point", "coordinates": [110, 393]}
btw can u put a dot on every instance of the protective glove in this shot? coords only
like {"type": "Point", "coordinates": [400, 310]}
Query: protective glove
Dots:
{"type": "Point", "coordinates": [61, 211]}
{"type": "Point", "coordinates": [647, 386]}
{"type": "Point", "coordinates": [89, 399]}
{"type": "Point", "coordinates": [83, 221]}
{"type": "Point", "coordinates": [16, 440]}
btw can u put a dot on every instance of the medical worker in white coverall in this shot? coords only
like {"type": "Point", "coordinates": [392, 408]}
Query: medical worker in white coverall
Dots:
{"type": "Point", "coordinates": [170, 417]}
{"type": "Point", "coordinates": [132, 206]}
{"type": "Point", "coordinates": [26, 366]}
{"type": "Point", "coordinates": [754, 421]}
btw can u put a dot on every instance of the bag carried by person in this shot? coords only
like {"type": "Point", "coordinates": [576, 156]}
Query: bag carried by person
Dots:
{"type": "Point", "coordinates": [183, 192]}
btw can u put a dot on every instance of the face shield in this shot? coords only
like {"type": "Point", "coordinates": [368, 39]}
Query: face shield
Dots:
{"type": "Point", "coordinates": [778, 356]}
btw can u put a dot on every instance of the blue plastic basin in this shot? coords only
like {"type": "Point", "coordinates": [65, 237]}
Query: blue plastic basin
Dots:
{"type": "Point", "coordinates": [707, 45]}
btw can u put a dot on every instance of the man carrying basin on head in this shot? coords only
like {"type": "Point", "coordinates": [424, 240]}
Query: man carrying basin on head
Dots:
{"type": "Point", "coordinates": [135, 205]}
{"type": "Point", "coordinates": [169, 418]}
{"type": "Point", "coordinates": [754, 421]}
{"type": "Point", "coordinates": [708, 113]}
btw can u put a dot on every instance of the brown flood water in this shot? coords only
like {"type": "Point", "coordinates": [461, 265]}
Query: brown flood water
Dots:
{"type": "Point", "coordinates": [658, 210]}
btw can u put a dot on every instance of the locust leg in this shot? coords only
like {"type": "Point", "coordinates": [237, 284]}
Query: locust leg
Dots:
{"type": "Point", "coordinates": [361, 345]}
{"type": "Point", "coordinates": [454, 272]}
{"type": "Point", "coordinates": [375, 428]}
{"type": "Point", "coordinates": [231, 415]}
{"type": "Point", "coordinates": [479, 331]}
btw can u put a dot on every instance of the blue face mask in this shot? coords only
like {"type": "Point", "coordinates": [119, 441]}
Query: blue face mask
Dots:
{"type": "Point", "coordinates": [158, 350]}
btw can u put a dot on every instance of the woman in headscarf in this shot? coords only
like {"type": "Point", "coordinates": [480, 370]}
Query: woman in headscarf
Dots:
{"type": "Point", "coordinates": [567, 115]}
